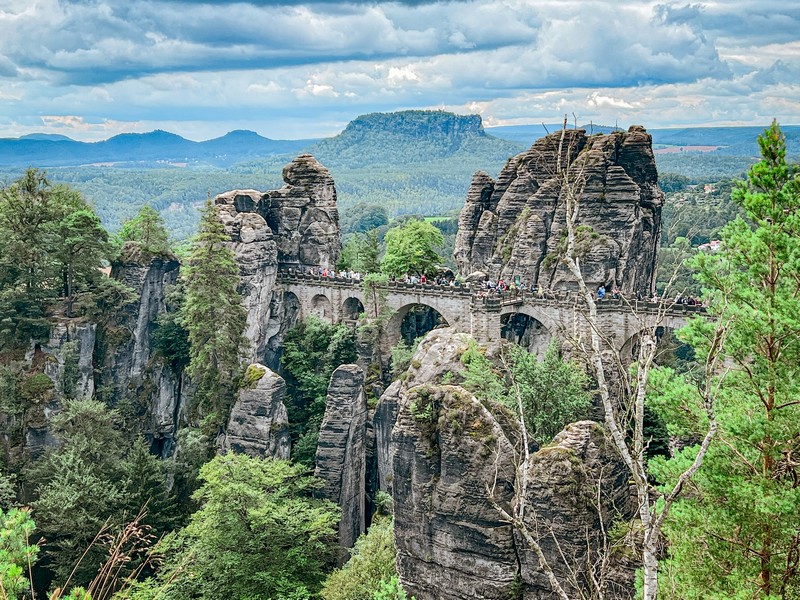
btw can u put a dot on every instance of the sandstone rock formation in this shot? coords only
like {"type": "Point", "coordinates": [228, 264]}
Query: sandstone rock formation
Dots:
{"type": "Point", "coordinates": [129, 366]}
{"type": "Point", "coordinates": [575, 482]}
{"type": "Point", "coordinates": [253, 243]}
{"type": "Point", "coordinates": [514, 225]}
{"type": "Point", "coordinates": [66, 359]}
{"type": "Point", "coordinates": [258, 424]}
{"type": "Point", "coordinates": [304, 216]}
{"type": "Point", "coordinates": [341, 457]}
{"type": "Point", "coordinates": [451, 543]}
{"type": "Point", "coordinates": [296, 226]}
{"type": "Point", "coordinates": [448, 448]}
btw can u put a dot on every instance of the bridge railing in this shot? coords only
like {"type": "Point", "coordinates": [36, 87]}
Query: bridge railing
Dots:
{"type": "Point", "coordinates": [299, 277]}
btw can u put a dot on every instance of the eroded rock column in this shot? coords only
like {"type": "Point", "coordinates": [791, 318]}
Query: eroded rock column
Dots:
{"type": "Point", "coordinates": [341, 451]}
{"type": "Point", "coordinates": [258, 424]}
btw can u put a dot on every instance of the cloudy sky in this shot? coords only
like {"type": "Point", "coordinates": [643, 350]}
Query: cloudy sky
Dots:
{"type": "Point", "coordinates": [94, 68]}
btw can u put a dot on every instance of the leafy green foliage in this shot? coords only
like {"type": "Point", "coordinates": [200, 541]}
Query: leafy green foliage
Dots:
{"type": "Point", "coordinates": [92, 480]}
{"type": "Point", "coordinates": [412, 248]}
{"type": "Point", "coordinates": [402, 353]}
{"type": "Point", "coordinates": [736, 534]}
{"type": "Point", "coordinates": [147, 231]}
{"type": "Point", "coordinates": [16, 552]}
{"type": "Point", "coordinates": [258, 534]}
{"type": "Point", "coordinates": [553, 391]}
{"type": "Point", "coordinates": [214, 317]}
{"type": "Point", "coordinates": [391, 590]}
{"type": "Point", "coordinates": [363, 217]}
{"type": "Point", "coordinates": [360, 253]}
{"type": "Point", "coordinates": [311, 352]}
{"type": "Point", "coordinates": [51, 245]}
{"type": "Point", "coordinates": [371, 564]}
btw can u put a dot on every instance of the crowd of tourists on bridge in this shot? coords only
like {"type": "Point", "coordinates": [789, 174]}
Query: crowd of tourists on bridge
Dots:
{"type": "Point", "coordinates": [500, 287]}
{"type": "Point", "coordinates": [334, 274]}
{"type": "Point", "coordinates": [447, 278]}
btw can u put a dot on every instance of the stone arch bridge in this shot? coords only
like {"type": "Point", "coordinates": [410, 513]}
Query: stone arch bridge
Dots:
{"type": "Point", "coordinates": [486, 318]}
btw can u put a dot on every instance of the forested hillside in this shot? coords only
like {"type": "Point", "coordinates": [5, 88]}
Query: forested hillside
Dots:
{"type": "Point", "coordinates": [413, 162]}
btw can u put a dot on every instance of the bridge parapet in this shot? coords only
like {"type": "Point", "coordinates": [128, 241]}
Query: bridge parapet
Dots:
{"type": "Point", "coordinates": [425, 289]}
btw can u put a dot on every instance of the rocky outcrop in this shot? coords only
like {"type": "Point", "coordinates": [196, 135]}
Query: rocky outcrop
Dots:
{"type": "Point", "coordinates": [383, 421]}
{"type": "Point", "coordinates": [514, 225]}
{"type": "Point", "coordinates": [66, 359]}
{"type": "Point", "coordinates": [303, 215]}
{"type": "Point", "coordinates": [296, 226]}
{"type": "Point", "coordinates": [448, 449]}
{"type": "Point", "coordinates": [128, 365]}
{"type": "Point", "coordinates": [258, 424]}
{"type": "Point", "coordinates": [451, 543]}
{"type": "Point", "coordinates": [578, 486]}
{"type": "Point", "coordinates": [341, 451]}
{"type": "Point", "coordinates": [253, 243]}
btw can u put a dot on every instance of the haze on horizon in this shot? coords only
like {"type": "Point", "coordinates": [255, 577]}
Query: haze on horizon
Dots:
{"type": "Point", "coordinates": [91, 69]}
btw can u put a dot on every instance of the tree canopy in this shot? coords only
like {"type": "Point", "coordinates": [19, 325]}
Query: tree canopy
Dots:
{"type": "Point", "coordinates": [412, 248]}
{"type": "Point", "coordinates": [737, 535]}
{"type": "Point", "coordinates": [214, 317]}
{"type": "Point", "coordinates": [51, 246]}
{"type": "Point", "coordinates": [258, 534]}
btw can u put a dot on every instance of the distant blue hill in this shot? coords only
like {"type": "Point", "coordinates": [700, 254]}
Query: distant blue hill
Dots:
{"type": "Point", "coordinates": [142, 150]}
{"type": "Point", "coordinates": [53, 137]}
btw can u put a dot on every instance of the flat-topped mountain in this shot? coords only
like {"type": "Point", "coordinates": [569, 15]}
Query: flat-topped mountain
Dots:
{"type": "Point", "coordinates": [411, 136]}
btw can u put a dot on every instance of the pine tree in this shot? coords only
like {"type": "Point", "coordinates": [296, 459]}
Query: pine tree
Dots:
{"type": "Point", "coordinates": [214, 317]}
{"type": "Point", "coordinates": [737, 535]}
{"type": "Point", "coordinates": [147, 230]}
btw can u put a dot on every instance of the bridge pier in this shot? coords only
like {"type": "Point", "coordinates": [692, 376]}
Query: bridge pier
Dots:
{"type": "Point", "coordinates": [484, 323]}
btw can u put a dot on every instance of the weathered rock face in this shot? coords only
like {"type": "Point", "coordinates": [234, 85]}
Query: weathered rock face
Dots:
{"type": "Point", "coordinates": [66, 359]}
{"type": "Point", "coordinates": [575, 482]}
{"type": "Point", "coordinates": [341, 450]}
{"type": "Point", "coordinates": [258, 424]}
{"type": "Point", "coordinates": [451, 543]}
{"type": "Point", "coordinates": [514, 225]}
{"type": "Point", "coordinates": [128, 366]}
{"type": "Point", "coordinates": [304, 216]}
{"type": "Point", "coordinates": [296, 226]}
{"type": "Point", "coordinates": [256, 253]}
{"type": "Point", "coordinates": [448, 448]}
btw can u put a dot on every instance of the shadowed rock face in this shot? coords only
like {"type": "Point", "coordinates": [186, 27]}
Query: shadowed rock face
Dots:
{"type": "Point", "coordinates": [341, 451]}
{"type": "Point", "coordinates": [513, 225]}
{"type": "Point", "coordinates": [66, 358]}
{"type": "Point", "coordinates": [575, 481]}
{"type": "Point", "coordinates": [131, 365]}
{"type": "Point", "coordinates": [258, 425]}
{"type": "Point", "coordinates": [448, 448]}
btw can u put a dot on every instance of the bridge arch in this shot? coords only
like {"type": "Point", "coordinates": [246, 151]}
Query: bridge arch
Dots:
{"type": "Point", "coordinates": [352, 307]}
{"type": "Point", "coordinates": [412, 320]}
{"type": "Point", "coordinates": [668, 347]}
{"type": "Point", "coordinates": [322, 308]}
{"type": "Point", "coordinates": [528, 329]}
